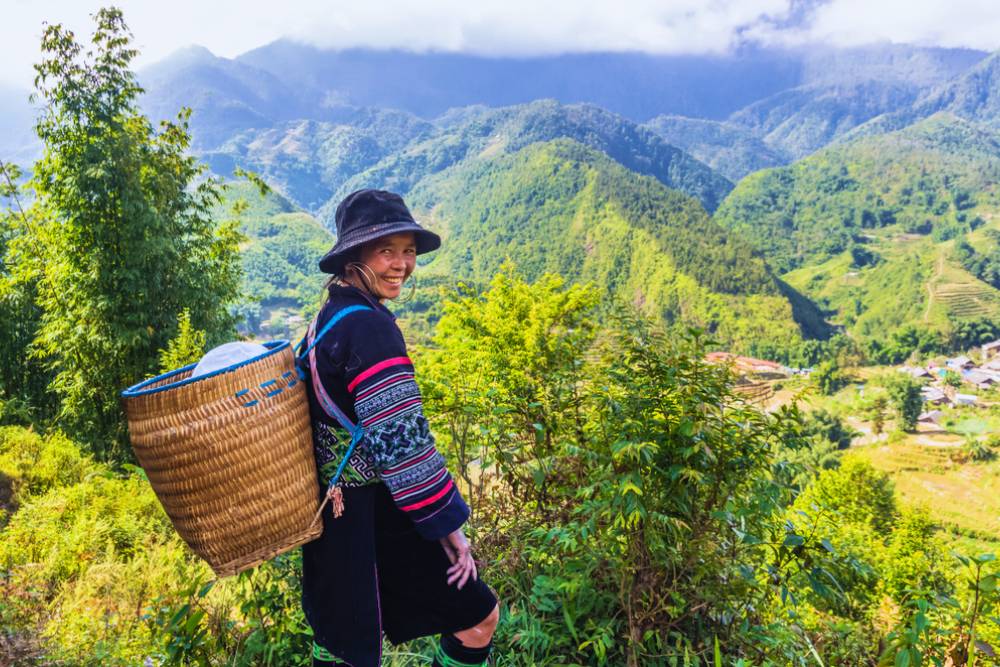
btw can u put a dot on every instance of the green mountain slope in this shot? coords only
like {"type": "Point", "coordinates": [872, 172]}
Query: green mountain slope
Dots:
{"type": "Point", "coordinates": [283, 245]}
{"type": "Point", "coordinates": [480, 132]}
{"type": "Point", "coordinates": [562, 207]}
{"type": "Point", "coordinates": [868, 228]}
{"type": "Point", "coordinates": [308, 161]}
{"type": "Point", "coordinates": [933, 178]}
{"type": "Point", "coordinates": [731, 150]}
{"type": "Point", "coordinates": [799, 121]}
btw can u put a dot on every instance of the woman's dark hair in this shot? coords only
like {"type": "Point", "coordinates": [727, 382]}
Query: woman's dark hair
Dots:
{"type": "Point", "coordinates": [352, 255]}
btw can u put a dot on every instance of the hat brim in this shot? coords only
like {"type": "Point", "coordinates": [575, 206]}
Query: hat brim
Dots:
{"type": "Point", "coordinates": [333, 261]}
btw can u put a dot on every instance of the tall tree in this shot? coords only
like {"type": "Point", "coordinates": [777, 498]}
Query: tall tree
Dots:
{"type": "Point", "coordinates": [127, 241]}
{"type": "Point", "coordinates": [904, 392]}
{"type": "Point", "coordinates": [23, 382]}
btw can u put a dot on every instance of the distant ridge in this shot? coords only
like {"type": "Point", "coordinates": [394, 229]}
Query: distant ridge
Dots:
{"type": "Point", "coordinates": [480, 132]}
{"type": "Point", "coordinates": [730, 149]}
{"type": "Point", "coordinates": [974, 96]}
{"type": "Point", "coordinates": [636, 85]}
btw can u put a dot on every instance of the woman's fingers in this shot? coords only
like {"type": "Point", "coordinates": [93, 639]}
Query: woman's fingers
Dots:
{"type": "Point", "coordinates": [461, 572]}
{"type": "Point", "coordinates": [463, 566]}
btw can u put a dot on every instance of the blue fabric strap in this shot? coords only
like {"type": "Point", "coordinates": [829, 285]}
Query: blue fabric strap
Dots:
{"type": "Point", "coordinates": [339, 315]}
{"type": "Point", "coordinates": [356, 430]}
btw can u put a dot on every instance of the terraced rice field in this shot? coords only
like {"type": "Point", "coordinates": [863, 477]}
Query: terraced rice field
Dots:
{"type": "Point", "coordinates": [967, 300]}
{"type": "Point", "coordinates": [963, 499]}
{"type": "Point", "coordinates": [755, 392]}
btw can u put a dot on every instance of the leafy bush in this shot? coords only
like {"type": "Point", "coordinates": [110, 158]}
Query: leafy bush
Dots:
{"type": "Point", "coordinates": [621, 488]}
{"type": "Point", "coordinates": [34, 464]}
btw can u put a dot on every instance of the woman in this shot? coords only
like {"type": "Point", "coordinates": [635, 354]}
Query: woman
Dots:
{"type": "Point", "coordinates": [392, 558]}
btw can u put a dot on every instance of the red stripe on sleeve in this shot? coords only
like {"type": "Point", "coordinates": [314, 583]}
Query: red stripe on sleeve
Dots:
{"type": "Point", "coordinates": [382, 365]}
{"type": "Point", "coordinates": [428, 501]}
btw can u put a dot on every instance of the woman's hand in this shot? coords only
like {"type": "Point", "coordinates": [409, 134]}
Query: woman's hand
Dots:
{"type": "Point", "coordinates": [462, 565]}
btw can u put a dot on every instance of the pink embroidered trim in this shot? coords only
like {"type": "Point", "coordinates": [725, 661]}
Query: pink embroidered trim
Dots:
{"type": "Point", "coordinates": [427, 501]}
{"type": "Point", "coordinates": [382, 365]}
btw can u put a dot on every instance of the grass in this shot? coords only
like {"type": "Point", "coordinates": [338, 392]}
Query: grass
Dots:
{"type": "Point", "coordinates": [963, 499]}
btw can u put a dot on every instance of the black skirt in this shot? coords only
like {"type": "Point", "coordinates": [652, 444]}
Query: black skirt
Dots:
{"type": "Point", "coordinates": [371, 573]}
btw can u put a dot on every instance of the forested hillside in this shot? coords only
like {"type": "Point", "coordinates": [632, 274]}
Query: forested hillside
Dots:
{"type": "Point", "coordinates": [730, 149]}
{"type": "Point", "coordinates": [867, 228]}
{"type": "Point", "coordinates": [482, 133]}
{"type": "Point", "coordinates": [563, 208]}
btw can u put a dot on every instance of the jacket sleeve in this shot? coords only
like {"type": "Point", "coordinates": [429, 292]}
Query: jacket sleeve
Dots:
{"type": "Point", "coordinates": [387, 402]}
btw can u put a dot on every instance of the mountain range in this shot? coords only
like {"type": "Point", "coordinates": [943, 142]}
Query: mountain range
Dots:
{"type": "Point", "coordinates": [760, 195]}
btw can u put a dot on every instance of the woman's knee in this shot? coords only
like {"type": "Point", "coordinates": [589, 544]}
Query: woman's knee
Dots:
{"type": "Point", "coordinates": [480, 634]}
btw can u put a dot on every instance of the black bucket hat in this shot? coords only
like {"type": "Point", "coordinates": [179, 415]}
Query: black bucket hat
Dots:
{"type": "Point", "coordinates": [366, 215]}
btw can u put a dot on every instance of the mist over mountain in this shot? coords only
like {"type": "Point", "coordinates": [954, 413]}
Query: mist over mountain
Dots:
{"type": "Point", "coordinates": [973, 95]}
{"type": "Point", "coordinates": [636, 85]}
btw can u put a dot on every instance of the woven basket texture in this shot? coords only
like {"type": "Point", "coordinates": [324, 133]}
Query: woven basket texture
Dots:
{"type": "Point", "coordinates": [230, 458]}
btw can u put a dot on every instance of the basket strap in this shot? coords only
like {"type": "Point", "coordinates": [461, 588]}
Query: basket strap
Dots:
{"type": "Point", "coordinates": [313, 342]}
{"type": "Point", "coordinates": [323, 398]}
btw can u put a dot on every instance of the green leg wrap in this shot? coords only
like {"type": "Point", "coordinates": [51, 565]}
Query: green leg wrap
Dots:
{"type": "Point", "coordinates": [444, 660]}
{"type": "Point", "coordinates": [320, 653]}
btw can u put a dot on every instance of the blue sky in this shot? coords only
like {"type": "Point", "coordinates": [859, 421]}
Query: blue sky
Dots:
{"type": "Point", "coordinates": [517, 27]}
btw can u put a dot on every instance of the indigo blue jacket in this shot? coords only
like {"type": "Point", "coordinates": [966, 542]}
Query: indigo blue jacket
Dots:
{"type": "Point", "coordinates": [364, 368]}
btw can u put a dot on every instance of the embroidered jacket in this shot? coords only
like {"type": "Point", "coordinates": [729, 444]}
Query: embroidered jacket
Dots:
{"type": "Point", "coordinates": [363, 366]}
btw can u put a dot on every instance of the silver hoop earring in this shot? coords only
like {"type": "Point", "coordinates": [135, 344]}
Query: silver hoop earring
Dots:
{"type": "Point", "coordinates": [412, 280]}
{"type": "Point", "coordinates": [368, 277]}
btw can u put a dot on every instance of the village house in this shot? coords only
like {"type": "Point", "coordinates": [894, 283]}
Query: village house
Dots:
{"type": "Point", "coordinates": [930, 417]}
{"type": "Point", "coordinates": [979, 378]}
{"type": "Point", "coordinates": [959, 363]}
{"type": "Point", "coordinates": [933, 395]}
{"type": "Point", "coordinates": [965, 399]}
{"type": "Point", "coordinates": [991, 349]}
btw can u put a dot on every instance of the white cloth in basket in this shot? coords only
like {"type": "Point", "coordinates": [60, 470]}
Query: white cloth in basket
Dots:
{"type": "Point", "coordinates": [227, 354]}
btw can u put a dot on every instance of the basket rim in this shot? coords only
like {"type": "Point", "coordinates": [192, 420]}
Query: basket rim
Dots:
{"type": "Point", "coordinates": [138, 389]}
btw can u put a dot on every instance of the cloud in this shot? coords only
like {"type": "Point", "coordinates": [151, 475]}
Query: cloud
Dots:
{"type": "Point", "coordinates": [508, 27]}
{"type": "Point", "coordinates": [848, 23]}
{"type": "Point", "coordinates": [526, 27]}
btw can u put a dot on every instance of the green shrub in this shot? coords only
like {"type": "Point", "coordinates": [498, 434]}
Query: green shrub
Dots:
{"type": "Point", "coordinates": [32, 463]}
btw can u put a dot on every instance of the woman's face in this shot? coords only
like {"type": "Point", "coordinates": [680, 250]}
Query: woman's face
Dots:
{"type": "Point", "coordinates": [392, 260]}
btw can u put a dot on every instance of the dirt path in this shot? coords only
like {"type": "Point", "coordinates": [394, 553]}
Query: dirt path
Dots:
{"type": "Point", "coordinates": [938, 270]}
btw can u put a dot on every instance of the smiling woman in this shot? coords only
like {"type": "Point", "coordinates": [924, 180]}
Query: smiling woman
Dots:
{"type": "Point", "coordinates": [384, 265]}
{"type": "Point", "coordinates": [392, 559]}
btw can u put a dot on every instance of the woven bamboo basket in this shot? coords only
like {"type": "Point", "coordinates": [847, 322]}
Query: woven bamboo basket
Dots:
{"type": "Point", "coordinates": [229, 455]}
